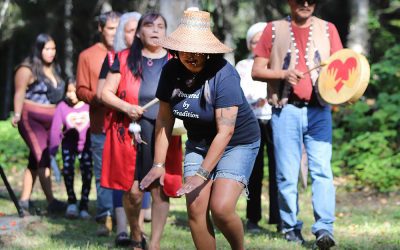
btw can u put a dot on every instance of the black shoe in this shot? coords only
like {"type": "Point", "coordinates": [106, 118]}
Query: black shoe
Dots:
{"type": "Point", "coordinates": [122, 240]}
{"type": "Point", "coordinates": [252, 227]}
{"type": "Point", "coordinates": [294, 236]}
{"type": "Point", "coordinates": [56, 206]}
{"type": "Point", "coordinates": [324, 240]}
{"type": "Point", "coordinates": [279, 227]}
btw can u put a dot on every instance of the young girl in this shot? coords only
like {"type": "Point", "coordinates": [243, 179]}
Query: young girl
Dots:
{"type": "Point", "coordinates": [70, 127]}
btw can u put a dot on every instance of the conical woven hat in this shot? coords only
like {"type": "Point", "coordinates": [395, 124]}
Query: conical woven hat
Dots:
{"type": "Point", "coordinates": [194, 35]}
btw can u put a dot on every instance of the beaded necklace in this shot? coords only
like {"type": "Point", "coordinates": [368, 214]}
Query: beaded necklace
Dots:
{"type": "Point", "coordinates": [296, 49]}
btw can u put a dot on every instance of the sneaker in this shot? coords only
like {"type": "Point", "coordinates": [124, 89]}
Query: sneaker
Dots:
{"type": "Point", "coordinates": [294, 236]}
{"type": "Point", "coordinates": [324, 240]}
{"type": "Point", "coordinates": [105, 227]}
{"type": "Point", "coordinates": [72, 211]}
{"type": "Point", "coordinates": [56, 206]}
{"type": "Point", "coordinates": [122, 240]}
{"type": "Point", "coordinates": [25, 207]}
{"type": "Point", "coordinates": [147, 215]}
{"type": "Point", "coordinates": [84, 215]}
{"type": "Point", "coordinates": [252, 227]}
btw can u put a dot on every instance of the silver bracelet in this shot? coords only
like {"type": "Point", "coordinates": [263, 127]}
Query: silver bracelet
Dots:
{"type": "Point", "coordinates": [158, 165]}
{"type": "Point", "coordinates": [203, 173]}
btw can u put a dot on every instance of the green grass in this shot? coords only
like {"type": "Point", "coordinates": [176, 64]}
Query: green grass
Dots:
{"type": "Point", "coordinates": [364, 220]}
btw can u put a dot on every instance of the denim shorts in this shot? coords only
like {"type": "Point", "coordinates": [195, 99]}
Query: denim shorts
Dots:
{"type": "Point", "coordinates": [236, 162]}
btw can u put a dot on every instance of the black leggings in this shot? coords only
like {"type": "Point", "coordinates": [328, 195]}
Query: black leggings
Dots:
{"type": "Point", "coordinates": [68, 154]}
{"type": "Point", "coordinates": [253, 210]}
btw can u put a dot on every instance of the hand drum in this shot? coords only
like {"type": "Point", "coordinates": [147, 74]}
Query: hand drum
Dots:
{"type": "Point", "coordinates": [345, 77]}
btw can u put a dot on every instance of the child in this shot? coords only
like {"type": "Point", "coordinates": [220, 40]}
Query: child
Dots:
{"type": "Point", "coordinates": [70, 128]}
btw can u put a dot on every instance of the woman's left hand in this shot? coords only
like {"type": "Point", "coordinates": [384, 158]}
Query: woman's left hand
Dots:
{"type": "Point", "coordinates": [191, 184]}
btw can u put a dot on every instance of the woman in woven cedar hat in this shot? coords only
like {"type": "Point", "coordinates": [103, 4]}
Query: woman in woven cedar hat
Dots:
{"type": "Point", "coordinates": [203, 89]}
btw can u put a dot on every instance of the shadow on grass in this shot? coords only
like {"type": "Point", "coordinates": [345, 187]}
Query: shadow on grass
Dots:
{"type": "Point", "coordinates": [180, 219]}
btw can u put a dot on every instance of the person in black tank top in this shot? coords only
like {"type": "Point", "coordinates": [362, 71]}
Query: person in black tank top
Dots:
{"type": "Point", "coordinates": [38, 88]}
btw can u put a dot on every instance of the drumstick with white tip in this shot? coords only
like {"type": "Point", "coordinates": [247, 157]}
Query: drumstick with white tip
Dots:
{"type": "Point", "coordinates": [150, 103]}
{"type": "Point", "coordinates": [322, 64]}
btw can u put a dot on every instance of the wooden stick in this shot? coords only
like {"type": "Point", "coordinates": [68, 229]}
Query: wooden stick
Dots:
{"type": "Point", "coordinates": [150, 103]}
{"type": "Point", "coordinates": [316, 67]}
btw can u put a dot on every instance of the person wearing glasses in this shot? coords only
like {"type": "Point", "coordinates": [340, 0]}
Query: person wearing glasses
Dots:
{"type": "Point", "coordinates": [288, 48]}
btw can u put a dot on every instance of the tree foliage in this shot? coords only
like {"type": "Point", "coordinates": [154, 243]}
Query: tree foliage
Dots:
{"type": "Point", "coordinates": [367, 134]}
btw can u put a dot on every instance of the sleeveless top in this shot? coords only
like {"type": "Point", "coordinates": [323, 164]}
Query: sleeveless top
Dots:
{"type": "Point", "coordinates": [42, 91]}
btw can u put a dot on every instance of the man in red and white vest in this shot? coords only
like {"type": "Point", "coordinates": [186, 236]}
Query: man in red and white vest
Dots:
{"type": "Point", "coordinates": [286, 51]}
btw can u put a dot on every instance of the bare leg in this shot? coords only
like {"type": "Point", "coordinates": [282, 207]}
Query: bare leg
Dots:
{"type": "Point", "coordinates": [132, 203]}
{"type": "Point", "coordinates": [28, 183]}
{"type": "Point", "coordinates": [141, 220]}
{"type": "Point", "coordinates": [45, 182]}
{"type": "Point", "coordinates": [224, 196]}
{"type": "Point", "coordinates": [199, 217]}
{"type": "Point", "coordinates": [159, 213]}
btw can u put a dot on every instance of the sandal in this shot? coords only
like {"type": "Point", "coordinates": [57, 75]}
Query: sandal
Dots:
{"type": "Point", "coordinates": [139, 244]}
{"type": "Point", "coordinates": [122, 240]}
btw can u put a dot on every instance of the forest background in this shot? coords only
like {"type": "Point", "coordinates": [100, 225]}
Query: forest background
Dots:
{"type": "Point", "coordinates": [366, 134]}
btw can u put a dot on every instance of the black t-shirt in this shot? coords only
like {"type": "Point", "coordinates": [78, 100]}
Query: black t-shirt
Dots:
{"type": "Point", "coordinates": [105, 68]}
{"type": "Point", "coordinates": [190, 104]}
{"type": "Point", "coordinates": [151, 70]}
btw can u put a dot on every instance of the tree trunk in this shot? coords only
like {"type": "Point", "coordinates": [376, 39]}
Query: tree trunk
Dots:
{"type": "Point", "coordinates": [223, 16]}
{"type": "Point", "coordinates": [3, 11]}
{"type": "Point", "coordinates": [69, 46]}
{"type": "Point", "coordinates": [358, 36]}
{"type": "Point", "coordinates": [7, 90]}
{"type": "Point", "coordinates": [172, 10]}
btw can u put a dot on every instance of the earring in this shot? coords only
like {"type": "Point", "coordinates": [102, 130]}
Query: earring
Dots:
{"type": "Point", "coordinates": [208, 57]}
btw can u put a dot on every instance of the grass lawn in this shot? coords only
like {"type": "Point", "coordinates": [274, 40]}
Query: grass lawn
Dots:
{"type": "Point", "coordinates": [364, 220]}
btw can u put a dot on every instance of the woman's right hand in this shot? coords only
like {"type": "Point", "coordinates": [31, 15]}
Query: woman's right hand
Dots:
{"type": "Point", "coordinates": [134, 112]}
{"type": "Point", "coordinates": [15, 119]}
{"type": "Point", "coordinates": [152, 175]}
{"type": "Point", "coordinates": [293, 76]}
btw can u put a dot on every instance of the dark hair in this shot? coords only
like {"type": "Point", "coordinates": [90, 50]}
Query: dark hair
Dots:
{"type": "Point", "coordinates": [109, 15]}
{"type": "Point", "coordinates": [135, 52]}
{"type": "Point", "coordinates": [35, 60]}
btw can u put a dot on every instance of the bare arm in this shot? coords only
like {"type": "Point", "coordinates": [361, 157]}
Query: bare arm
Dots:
{"type": "Point", "coordinates": [262, 72]}
{"type": "Point", "coordinates": [163, 131]}
{"type": "Point", "coordinates": [226, 120]}
{"type": "Point", "coordinates": [23, 77]}
{"type": "Point", "coordinates": [100, 86]}
{"type": "Point", "coordinates": [108, 96]}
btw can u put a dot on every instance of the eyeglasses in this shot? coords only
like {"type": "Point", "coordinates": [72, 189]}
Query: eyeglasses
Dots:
{"type": "Point", "coordinates": [302, 2]}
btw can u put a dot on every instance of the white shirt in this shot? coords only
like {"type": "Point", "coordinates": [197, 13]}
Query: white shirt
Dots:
{"type": "Point", "coordinates": [254, 91]}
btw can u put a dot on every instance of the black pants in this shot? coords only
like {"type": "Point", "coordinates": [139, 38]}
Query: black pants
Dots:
{"type": "Point", "coordinates": [69, 152]}
{"type": "Point", "coordinates": [253, 210]}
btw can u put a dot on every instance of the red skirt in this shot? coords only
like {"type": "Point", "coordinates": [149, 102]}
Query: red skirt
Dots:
{"type": "Point", "coordinates": [119, 161]}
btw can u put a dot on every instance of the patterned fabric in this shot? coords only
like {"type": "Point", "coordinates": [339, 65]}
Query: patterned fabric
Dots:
{"type": "Point", "coordinates": [85, 159]}
{"type": "Point", "coordinates": [42, 91]}
{"type": "Point", "coordinates": [36, 92]}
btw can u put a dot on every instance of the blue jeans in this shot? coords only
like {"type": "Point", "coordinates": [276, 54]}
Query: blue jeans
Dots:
{"type": "Point", "coordinates": [236, 162]}
{"type": "Point", "coordinates": [104, 203]}
{"type": "Point", "coordinates": [291, 128]}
